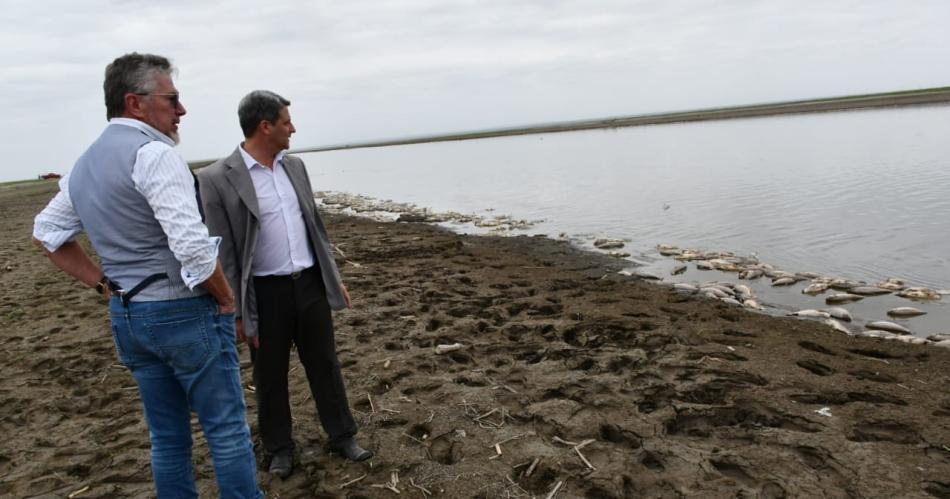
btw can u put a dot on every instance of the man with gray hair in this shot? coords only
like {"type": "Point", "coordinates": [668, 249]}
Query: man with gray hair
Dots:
{"type": "Point", "coordinates": [276, 252]}
{"type": "Point", "coordinates": [171, 306]}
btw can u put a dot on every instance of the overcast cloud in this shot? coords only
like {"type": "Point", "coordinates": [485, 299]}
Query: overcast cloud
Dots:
{"type": "Point", "coordinates": [362, 70]}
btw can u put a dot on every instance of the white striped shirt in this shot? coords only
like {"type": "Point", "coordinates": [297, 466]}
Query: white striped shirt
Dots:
{"type": "Point", "coordinates": [162, 176]}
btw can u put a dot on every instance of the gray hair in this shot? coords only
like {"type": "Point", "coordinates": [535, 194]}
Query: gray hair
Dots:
{"type": "Point", "coordinates": [257, 106]}
{"type": "Point", "coordinates": [132, 73]}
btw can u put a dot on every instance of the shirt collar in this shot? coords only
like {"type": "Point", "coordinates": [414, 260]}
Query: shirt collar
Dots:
{"type": "Point", "coordinates": [249, 160]}
{"type": "Point", "coordinates": [145, 127]}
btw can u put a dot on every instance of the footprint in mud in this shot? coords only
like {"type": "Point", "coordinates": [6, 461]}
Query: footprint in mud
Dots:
{"type": "Point", "coordinates": [884, 431]}
{"type": "Point", "coordinates": [841, 398]}
{"type": "Point", "coordinates": [745, 415]}
{"type": "Point", "coordinates": [938, 489]}
{"type": "Point", "coordinates": [815, 347]}
{"type": "Point", "coordinates": [445, 450]}
{"type": "Point", "coordinates": [815, 367]}
{"type": "Point", "coordinates": [873, 353]}
{"type": "Point", "coordinates": [877, 376]}
{"type": "Point", "coordinates": [652, 461]}
{"type": "Point", "coordinates": [616, 434]}
{"type": "Point", "coordinates": [739, 334]}
{"type": "Point", "coordinates": [698, 355]}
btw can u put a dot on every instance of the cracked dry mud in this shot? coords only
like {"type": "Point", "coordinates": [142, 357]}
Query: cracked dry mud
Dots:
{"type": "Point", "coordinates": [682, 396]}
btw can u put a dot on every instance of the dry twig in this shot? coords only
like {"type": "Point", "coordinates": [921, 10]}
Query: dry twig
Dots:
{"type": "Point", "coordinates": [554, 491]}
{"type": "Point", "coordinates": [425, 492]}
{"type": "Point", "coordinates": [531, 468]}
{"type": "Point", "coordinates": [351, 482]}
{"type": "Point", "coordinates": [562, 441]}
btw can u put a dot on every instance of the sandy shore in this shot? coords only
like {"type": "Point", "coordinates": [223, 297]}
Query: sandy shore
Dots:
{"type": "Point", "coordinates": [590, 383]}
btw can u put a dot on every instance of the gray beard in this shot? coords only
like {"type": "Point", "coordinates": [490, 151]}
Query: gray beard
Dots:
{"type": "Point", "coordinates": [175, 137]}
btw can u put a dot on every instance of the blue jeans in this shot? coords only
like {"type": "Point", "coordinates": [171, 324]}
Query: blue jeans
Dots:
{"type": "Point", "coordinates": [183, 356]}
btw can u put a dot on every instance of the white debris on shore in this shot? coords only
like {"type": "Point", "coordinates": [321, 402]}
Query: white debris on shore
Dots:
{"type": "Point", "coordinates": [750, 268]}
{"type": "Point", "coordinates": [391, 211]}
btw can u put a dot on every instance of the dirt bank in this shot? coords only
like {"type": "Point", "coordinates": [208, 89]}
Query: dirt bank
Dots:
{"type": "Point", "coordinates": [656, 394]}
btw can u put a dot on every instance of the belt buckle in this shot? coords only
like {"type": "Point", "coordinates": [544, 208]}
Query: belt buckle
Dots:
{"type": "Point", "coordinates": [296, 275]}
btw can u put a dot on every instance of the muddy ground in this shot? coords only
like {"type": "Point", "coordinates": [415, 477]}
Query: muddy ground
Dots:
{"type": "Point", "coordinates": [591, 383]}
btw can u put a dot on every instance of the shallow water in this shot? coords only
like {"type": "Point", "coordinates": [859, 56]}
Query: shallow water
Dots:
{"type": "Point", "coordinates": [858, 194]}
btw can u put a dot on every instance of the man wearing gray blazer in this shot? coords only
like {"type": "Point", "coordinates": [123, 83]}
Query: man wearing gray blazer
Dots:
{"type": "Point", "coordinates": [275, 251]}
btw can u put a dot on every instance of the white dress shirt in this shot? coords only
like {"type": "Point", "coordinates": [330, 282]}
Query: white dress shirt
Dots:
{"type": "Point", "coordinates": [282, 246]}
{"type": "Point", "coordinates": [162, 176]}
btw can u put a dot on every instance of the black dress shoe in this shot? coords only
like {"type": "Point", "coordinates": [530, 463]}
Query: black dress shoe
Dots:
{"type": "Point", "coordinates": [351, 450]}
{"type": "Point", "coordinates": [281, 465]}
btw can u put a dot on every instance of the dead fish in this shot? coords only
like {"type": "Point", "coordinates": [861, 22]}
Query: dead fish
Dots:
{"type": "Point", "coordinates": [778, 274]}
{"type": "Point", "coordinates": [891, 283]}
{"type": "Point", "coordinates": [919, 293]}
{"type": "Point", "coordinates": [752, 304]}
{"type": "Point", "coordinates": [646, 275]}
{"type": "Point", "coordinates": [809, 275]}
{"type": "Point", "coordinates": [913, 340]}
{"type": "Point", "coordinates": [608, 243]}
{"type": "Point", "coordinates": [667, 250]}
{"type": "Point", "coordinates": [842, 284]}
{"type": "Point", "coordinates": [842, 298]}
{"type": "Point", "coordinates": [731, 301]}
{"type": "Point", "coordinates": [690, 254]}
{"type": "Point", "coordinates": [873, 333]}
{"type": "Point", "coordinates": [939, 337]}
{"type": "Point", "coordinates": [723, 265]}
{"type": "Point", "coordinates": [743, 291]}
{"type": "Point", "coordinates": [887, 326]}
{"type": "Point", "coordinates": [837, 326]}
{"type": "Point", "coordinates": [725, 289]}
{"type": "Point", "coordinates": [683, 286]}
{"type": "Point", "coordinates": [869, 291]}
{"type": "Point", "coordinates": [905, 312]}
{"type": "Point", "coordinates": [751, 274]}
{"type": "Point", "coordinates": [618, 254]}
{"type": "Point", "coordinates": [703, 265]}
{"type": "Point", "coordinates": [809, 312]}
{"type": "Point", "coordinates": [678, 269]}
{"type": "Point", "coordinates": [838, 313]}
{"type": "Point", "coordinates": [715, 293]}
{"type": "Point", "coordinates": [784, 281]}
{"type": "Point", "coordinates": [815, 288]}
{"type": "Point", "coordinates": [942, 344]}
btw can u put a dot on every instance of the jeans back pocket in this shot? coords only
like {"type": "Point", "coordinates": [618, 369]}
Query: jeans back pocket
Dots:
{"type": "Point", "coordinates": [181, 342]}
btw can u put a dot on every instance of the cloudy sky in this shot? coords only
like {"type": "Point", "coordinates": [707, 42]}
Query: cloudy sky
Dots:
{"type": "Point", "coordinates": [368, 69]}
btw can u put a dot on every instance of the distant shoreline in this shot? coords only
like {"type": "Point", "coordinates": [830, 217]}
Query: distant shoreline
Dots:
{"type": "Point", "coordinates": [939, 95]}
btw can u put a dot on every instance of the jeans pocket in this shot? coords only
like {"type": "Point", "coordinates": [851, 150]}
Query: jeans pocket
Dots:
{"type": "Point", "coordinates": [182, 342]}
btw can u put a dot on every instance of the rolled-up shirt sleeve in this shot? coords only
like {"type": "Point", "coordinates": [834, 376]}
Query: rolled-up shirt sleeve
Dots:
{"type": "Point", "coordinates": [163, 177]}
{"type": "Point", "coordinates": [58, 223]}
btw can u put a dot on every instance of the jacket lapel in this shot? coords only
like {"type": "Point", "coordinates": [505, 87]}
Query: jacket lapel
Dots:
{"type": "Point", "coordinates": [296, 175]}
{"type": "Point", "coordinates": [240, 179]}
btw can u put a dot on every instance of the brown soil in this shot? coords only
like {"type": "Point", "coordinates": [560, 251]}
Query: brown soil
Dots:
{"type": "Point", "coordinates": [679, 396]}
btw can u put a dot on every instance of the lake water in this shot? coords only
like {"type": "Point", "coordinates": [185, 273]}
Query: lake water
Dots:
{"type": "Point", "coordinates": [863, 195]}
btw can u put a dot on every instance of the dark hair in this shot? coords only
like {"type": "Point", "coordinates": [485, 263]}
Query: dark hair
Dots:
{"type": "Point", "coordinates": [257, 106]}
{"type": "Point", "coordinates": [131, 73]}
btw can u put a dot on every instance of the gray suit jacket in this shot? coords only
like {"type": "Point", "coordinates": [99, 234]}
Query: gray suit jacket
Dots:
{"type": "Point", "coordinates": [231, 212]}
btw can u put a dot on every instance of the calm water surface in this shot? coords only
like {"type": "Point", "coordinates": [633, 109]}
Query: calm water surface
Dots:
{"type": "Point", "coordinates": [861, 194]}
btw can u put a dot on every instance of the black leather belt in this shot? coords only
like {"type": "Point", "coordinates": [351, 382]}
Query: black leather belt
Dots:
{"type": "Point", "coordinates": [293, 276]}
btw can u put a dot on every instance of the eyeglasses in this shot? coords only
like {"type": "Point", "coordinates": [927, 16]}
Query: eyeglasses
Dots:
{"type": "Point", "coordinates": [173, 97]}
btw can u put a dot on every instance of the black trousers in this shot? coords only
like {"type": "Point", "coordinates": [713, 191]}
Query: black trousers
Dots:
{"type": "Point", "coordinates": [295, 311]}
